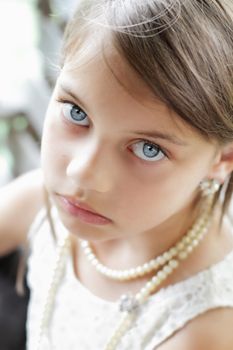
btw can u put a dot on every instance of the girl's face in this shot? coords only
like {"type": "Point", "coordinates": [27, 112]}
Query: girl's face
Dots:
{"type": "Point", "coordinates": [134, 161]}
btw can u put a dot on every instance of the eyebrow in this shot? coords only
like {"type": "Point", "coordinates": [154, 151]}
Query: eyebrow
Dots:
{"type": "Point", "coordinates": [68, 91]}
{"type": "Point", "coordinates": [163, 136]}
{"type": "Point", "coordinates": [153, 134]}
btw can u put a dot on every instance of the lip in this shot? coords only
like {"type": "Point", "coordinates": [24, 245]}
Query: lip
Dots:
{"type": "Point", "coordinates": [81, 205]}
{"type": "Point", "coordinates": [82, 211]}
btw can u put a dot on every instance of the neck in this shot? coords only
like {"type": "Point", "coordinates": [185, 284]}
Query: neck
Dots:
{"type": "Point", "coordinates": [115, 258]}
{"type": "Point", "coordinates": [136, 250]}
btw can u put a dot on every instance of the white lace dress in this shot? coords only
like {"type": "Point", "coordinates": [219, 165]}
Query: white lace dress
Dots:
{"type": "Point", "coordinates": [83, 321]}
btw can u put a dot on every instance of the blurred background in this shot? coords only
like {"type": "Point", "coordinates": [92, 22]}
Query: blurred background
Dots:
{"type": "Point", "coordinates": [30, 39]}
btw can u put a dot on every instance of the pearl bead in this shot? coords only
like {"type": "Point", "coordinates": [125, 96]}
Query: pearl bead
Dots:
{"type": "Point", "coordinates": [187, 240]}
{"type": "Point", "coordinates": [149, 285]}
{"type": "Point", "coordinates": [125, 274]}
{"type": "Point", "coordinates": [192, 234]}
{"type": "Point", "coordinates": [154, 264]}
{"type": "Point", "coordinates": [190, 249]}
{"type": "Point", "coordinates": [168, 269]}
{"type": "Point", "coordinates": [173, 252]}
{"type": "Point", "coordinates": [84, 244]}
{"type": "Point", "coordinates": [90, 256]}
{"type": "Point", "coordinates": [155, 280]}
{"type": "Point", "coordinates": [95, 262]}
{"type": "Point", "coordinates": [139, 270]}
{"type": "Point", "coordinates": [161, 275]}
{"type": "Point", "coordinates": [87, 250]}
{"type": "Point", "coordinates": [173, 263]}
{"type": "Point", "coordinates": [198, 226]}
{"type": "Point", "coordinates": [142, 295]}
{"type": "Point", "coordinates": [98, 267]}
{"type": "Point", "coordinates": [105, 270]}
{"type": "Point", "coordinates": [183, 255]}
{"type": "Point", "coordinates": [180, 246]}
{"type": "Point", "coordinates": [133, 273]}
{"type": "Point", "coordinates": [146, 268]}
{"type": "Point", "coordinates": [166, 256]}
{"type": "Point", "coordinates": [161, 260]}
{"type": "Point", "coordinates": [195, 242]}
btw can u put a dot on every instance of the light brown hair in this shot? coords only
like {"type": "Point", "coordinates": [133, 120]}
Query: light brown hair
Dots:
{"type": "Point", "coordinates": [181, 48]}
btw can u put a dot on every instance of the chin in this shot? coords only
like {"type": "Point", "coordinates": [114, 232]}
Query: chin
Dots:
{"type": "Point", "coordinates": [83, 230]}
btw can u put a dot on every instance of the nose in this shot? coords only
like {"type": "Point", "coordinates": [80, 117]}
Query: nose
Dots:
{"type": "Point", "coordinates": [90, 168]}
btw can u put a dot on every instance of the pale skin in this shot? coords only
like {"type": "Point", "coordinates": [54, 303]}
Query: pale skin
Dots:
{"type": "Point", "coordinates": [146, 198]}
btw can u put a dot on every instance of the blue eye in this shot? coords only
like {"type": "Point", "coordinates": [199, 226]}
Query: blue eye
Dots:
{"type": "Point", "coordinates": [74, 114]}
{"type": "Point", "coordinates": [148, 151]}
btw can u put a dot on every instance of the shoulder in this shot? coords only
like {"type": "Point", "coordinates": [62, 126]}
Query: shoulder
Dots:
{"type": "Point", "coordinates": [19, 203]}
{"type": "Point", "coordinates": [212, 330]}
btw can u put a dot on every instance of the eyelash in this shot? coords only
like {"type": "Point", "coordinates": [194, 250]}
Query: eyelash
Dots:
{"type": "Point", "coordinates": [150, 143]}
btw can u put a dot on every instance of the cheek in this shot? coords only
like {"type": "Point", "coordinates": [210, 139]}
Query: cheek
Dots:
{"type": "Point", "coordinates": [147, 200]}
{"type": "Point", "coordinates": [150, 203]}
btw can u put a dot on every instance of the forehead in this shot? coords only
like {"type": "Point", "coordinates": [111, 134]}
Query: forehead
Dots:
{"type": "Point", "coordinates": [99, 54]}
{"type": "Point", "coordinates": [100, 76]}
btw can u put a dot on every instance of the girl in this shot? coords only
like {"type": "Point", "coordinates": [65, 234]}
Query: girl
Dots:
{"type": "Point", "coordinates": [137, 160]}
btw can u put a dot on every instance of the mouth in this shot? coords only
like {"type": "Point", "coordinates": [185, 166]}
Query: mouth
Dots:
{"type": "Point", "coordinates": [82, 211]}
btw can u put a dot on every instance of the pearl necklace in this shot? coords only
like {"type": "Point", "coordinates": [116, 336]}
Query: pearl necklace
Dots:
{"type": "Point", "coordinates": [146, 268]}
{"type": "Point", "coordinates": [128, 304]}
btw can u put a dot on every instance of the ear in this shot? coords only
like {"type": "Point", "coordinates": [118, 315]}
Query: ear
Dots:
{"type": "Point", "coordinates": [223, 164]}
